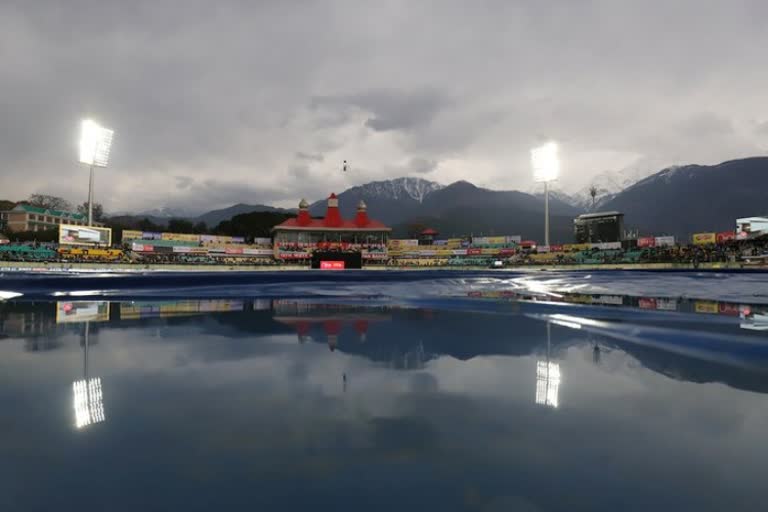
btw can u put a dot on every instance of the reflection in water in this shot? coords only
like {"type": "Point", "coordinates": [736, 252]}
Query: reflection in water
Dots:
{"type": "Point", "coordinates": [222, 398]}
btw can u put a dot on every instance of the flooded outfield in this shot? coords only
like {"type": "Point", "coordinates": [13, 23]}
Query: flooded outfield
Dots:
{"type": "Point", "coordinates": [477, 391]}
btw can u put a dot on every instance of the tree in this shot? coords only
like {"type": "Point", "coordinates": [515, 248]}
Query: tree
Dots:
{"type": "Point", "coordinates": [593, 193]}
{"type": "Point", "coordinates": [49, 202]}
{"type": "Point", "coordinates": [147, 225]}
{"type": "Point", "coordinates": [180, 226]}
{"type": "Point", "coordinates": [252, 225]}
{"type": "Point", "coordinates": [98, 210]}
{"type": "Point", "coordinates": [200, 228]}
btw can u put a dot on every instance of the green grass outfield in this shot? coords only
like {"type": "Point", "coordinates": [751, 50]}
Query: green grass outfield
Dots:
{"type": "Point", "coordinates": [130, 267]}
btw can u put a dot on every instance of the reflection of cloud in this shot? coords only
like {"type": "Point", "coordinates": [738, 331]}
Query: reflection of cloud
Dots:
{"type": "Point", "coordinates": [423, 382]}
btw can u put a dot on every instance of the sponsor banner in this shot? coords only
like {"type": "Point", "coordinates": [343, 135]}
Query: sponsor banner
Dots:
{"type": "Point", "coordinates": [238, 239]}
{"type": "Point", "coordinates": [258, 252]}
{"type": "Point", "coordinates": [726, 236]}
{"type": "Point", "coordinates": [151, 235]}
{"type": "Point", "coordinates": [507, 252]}
{"type": "Point", "coordinates": [611, 300]}
{"type": "Point", "coordinates": [489, 252]}
{"type": "Point", "coordinates": [444, 252]}
{"type": "Point", "coordinates": [581, 247]}
{"type": "Point", "coordinates": [137, 247]}
{"type": "Point", "coordinates": [665, 241]}
{"type": "Point", "coordinates": [646, 241]}
{"type": "Point", "coordinates": [542, 249]}
{"type": "Point", "coordinates": [440, 242]}
{"type": "Point", "coordinates": [403, 243]}
{"type": "Point", "coordinates": [294, 255]}
{"type": "Point", "coordinates": [706, 306]}
{"type": "Point", "coordinates": [233, 250]}
{"type": "Point", "coordinates": [666, 304]}
{"type": "Point", "coordinates": [474, 252]}
{"type": "Point", "coordinates": [646, 303]}
{"type": "Point", "coordinates": [427, 253]}
{"type": "Point", "coordinates": [129, 235]}
{"type": "Point", "coordinates": [480, 240]}
{"type": "Point", "coordinates": [182, 249]}
{"type": "Point", "coordinates": [725, 308]}
{"type": "Point", "coordinates": [497, 240]}
{"type": "Point", "coordinates": [374, 256]}
{"type": "Point", "coordinates": [332, 265]}
{"type": "Point", "coordinates": [704, 238]}
{"type": "Point", "coordinates": [608, 246]}
{"type": "Point", "coordinates": [81, 311]}
{"type": "Point", "coordinates": [556, 248]}
{"type": "Point", "coordinates": [180, 237]}
{"type": "Point", "coordinates": [262, 241]}
{"type": "Point", "coordinates": [516, 239]}
{"type": "Point", "coordinates": [162, 249]}
{"type": "Point", "coordinates": [459, 252]}
{"type": "Point", "coordinates": [217, 250]}
{"type": "Point", "coordinates": [82, 235]}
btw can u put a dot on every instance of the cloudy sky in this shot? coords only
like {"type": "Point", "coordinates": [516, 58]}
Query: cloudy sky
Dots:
{"type": "Point", "coordinates": [221, 102]}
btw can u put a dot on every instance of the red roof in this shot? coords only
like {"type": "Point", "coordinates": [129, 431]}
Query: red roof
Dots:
{"type": "Point", "coordinates": [320, 225]}
{"type": "Point", "coordinates": [332, 220]}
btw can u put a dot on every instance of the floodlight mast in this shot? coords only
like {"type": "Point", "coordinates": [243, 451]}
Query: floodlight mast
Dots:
{"type": "Point", "coordinates": [95, 143]}
{"type": "Point", "coordinates": [546, 167]}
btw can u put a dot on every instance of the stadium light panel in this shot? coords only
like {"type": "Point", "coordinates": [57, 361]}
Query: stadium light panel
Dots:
{"type": "Point", "coordinates": [545, 162]}
{"type": "Point", "coordinates": [88, 402]}
{"type": "Point", "coordinates": [547, 383]}
{"type": "Point", "coordinates": [95, 143]}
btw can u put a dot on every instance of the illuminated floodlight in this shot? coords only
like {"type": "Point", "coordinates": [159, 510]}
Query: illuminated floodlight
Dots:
{"type": "Point", "coordinates": [545, 162]}
{"type": "Point", "coordinates": [89, 403]}
{"type": "Point", "coordinates": [547, 383]}
{"type": "Point", "coordinates": [95, 143]}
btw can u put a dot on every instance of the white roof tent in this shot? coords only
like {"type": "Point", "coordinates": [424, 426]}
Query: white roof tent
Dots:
{"type": "Point", "coordinates": [752, 226]}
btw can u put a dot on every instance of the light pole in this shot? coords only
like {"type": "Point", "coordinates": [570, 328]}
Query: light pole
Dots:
{"type": "Point", "coordinates": [95, 143]}
{"type": "Point", "coordinates": [546, 168]}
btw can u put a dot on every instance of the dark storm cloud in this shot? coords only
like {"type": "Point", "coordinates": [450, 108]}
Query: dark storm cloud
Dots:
{"type": "Point", "coordinates": [307, 156]}
{"type": "Point", "coordinates": [183, 182]}
{"type": "Point", "coordinates": [391, 110]}
{"type": "Point", "coordinates": [422, 165]}
{"type": "Point", "coordinates": [227, 91]}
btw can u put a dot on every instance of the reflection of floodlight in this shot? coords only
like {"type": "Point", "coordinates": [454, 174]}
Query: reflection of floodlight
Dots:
{"type": "Point", "coordinates": [546, 168]}
{"type": "Point", "coordinates": [547, 383]}
{"type": "Point", "coordinates": [89, 405]}
{"type": "Point", "coordinates": [95, 143]}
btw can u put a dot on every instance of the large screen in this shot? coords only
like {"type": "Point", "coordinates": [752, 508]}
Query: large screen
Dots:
{"type": "Point", "coordinates": [82, 311]}
{"type": "Point", "coordinates": [84, 235]}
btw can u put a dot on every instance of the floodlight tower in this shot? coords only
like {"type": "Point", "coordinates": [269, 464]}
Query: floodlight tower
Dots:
{"type": "Point", "coordinates": [547, 377]}
{"type": "Point", "coordinates": [95, 143]}
{"type": "Point", "coordinates": [88, 397]}
{"type": "Point", "coordinates": [546, 168]}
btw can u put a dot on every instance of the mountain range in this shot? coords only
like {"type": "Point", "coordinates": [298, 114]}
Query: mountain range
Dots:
{"type": "Point", "coordinates": [676, 200]}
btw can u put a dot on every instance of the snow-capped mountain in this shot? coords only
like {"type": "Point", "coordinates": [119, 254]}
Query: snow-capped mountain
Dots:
{"type": "Point", "coordinates": [607, 184]}
{"type": "Point", "coordinates": [415, 188]}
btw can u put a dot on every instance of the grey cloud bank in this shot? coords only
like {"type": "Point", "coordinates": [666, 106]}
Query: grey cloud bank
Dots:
{"type": "Point", "coordinates": [216, 103]}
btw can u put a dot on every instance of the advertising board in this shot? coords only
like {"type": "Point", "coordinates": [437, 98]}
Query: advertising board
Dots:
{"type": "Point", "coordinates": [129, 235]}
{"type": "Point", "coordinates": [665, 241]}
{"type": "Point", "coordinates": [82, 311]}
{"type": "Point", "coordinates": [726, 236]}
{"type": "Point", "coordinates": [84, 235]}
{"type": "Point", "coordinates": [332, 265]}
{"type": "Point", "coordinates": [646, 241]}
{"type": "Point", "coordinates": [704, 238]}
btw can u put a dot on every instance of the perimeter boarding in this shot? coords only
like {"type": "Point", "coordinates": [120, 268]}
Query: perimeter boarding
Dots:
{"type": "Point", "coordinates": [139, 247]}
